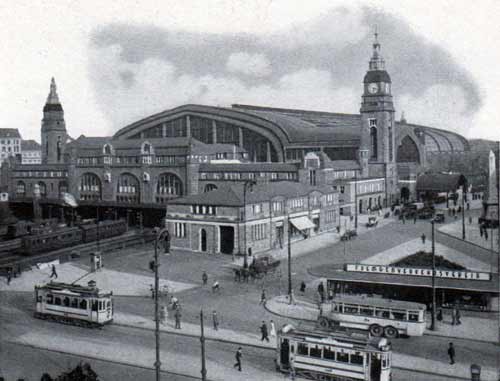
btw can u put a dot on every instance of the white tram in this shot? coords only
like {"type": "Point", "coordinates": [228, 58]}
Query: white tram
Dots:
{"type": "Point", "coordinates": [74, 304]}
{"type": "Point", "coordinates": [328, 356]}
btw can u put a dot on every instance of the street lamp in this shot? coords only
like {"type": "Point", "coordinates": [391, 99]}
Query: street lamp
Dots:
{"type": "Point", "coordinates": [433, 312]}
{"type": "Point", "coordinates": [290, 290]}
{"type": "Point", "coordinates": [463, 211]}
{"type": "Point", "coordinates": [356, 199]}
{"type": "Point", "coordinates": [161, 234]}
{"type": "Point", "coordinates": [250, 184]}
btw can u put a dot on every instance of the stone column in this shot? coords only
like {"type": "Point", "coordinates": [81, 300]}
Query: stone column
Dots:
{"type": "Point", "coordinates": [188, 126]}
{"type": "Point", "coordinates": [214, 132]}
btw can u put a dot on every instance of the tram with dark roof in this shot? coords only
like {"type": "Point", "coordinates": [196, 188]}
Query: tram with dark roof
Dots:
{"type": "Point", "coordinates": [333, 356]}
{"type": "Point", "coordinates": [85, 306]}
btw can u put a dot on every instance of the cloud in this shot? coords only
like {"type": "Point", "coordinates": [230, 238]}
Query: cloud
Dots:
{"type": "Point", "coordinates": [137, 70]}
{"type": "Point", "coordinates": [256, 65]}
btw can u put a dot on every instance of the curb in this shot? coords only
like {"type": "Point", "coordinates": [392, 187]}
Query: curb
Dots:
{"type": "Point", "coordinates": [207, 338]}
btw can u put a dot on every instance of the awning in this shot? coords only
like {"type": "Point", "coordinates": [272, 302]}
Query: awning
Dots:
{"type": "Point", "coordinates": [302, 223]}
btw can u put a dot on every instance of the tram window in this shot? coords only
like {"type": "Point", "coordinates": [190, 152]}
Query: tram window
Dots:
{"type": "Point", "coordinates": [335, 307]}
{"type": "Point", "coordinates": [399, 315]}
{"type": "Point", "coordinates": [302, 349]}
{"type": "Point", "coordinates": [413, 316]}
{"type": "Point", "coordinates": [342, 357]}
{"type": "Point", "coordinates": [94, 305]}
{"type": "Point", "coordinates": [100, 305]}
{"type": "Point", "coordinates": [385, 361]}
{"type": "Point", "coordinates": [357, 358]}
{"type": "Point", "coordinates": [386, 314]}
{"type": "Point", "coordinates": [83, 304]}
{"type": "Point", "coordinates": [349, 309]}
{"type": "Point", "coordinates": [328, 354]}
{"type": "Point", "coordinates": [50, 299]}
{"type": "Point", "coordinates": [366, 311]}
{"type": "Point", "coordinates": [315, 352]}
{"type": "Point", "coordinates": [57, 301]}
{"type": "Point", "coordinates": [74, 303]}
{"type": "Point", "coordinates": [66, 301]}
{"type": "Point", "coordinates": [108, 304]}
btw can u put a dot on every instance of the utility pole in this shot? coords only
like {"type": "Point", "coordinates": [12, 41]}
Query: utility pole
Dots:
{"type": "Point", "coordinates": [356, 199]}
{"type": "Point", "coordinates": [290, 290]}
{"type": "Point", "coordinates": [159, 235]}
{"type": "Point", "coordinates": [202, 340]}
{"type": "Point", "coordinates": [433, 321]}
{"type": "Point", "coordinates": [463, 212]}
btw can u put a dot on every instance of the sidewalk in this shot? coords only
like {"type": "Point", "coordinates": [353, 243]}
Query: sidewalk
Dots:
{"type": "Point", "coordinates": [121, 283]}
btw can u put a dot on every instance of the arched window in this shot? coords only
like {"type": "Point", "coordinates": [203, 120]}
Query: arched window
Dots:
{"type": "Point", "coordinates": [90, 187]}
{"type": "Point", "coordinates": [128, 189]}
{"type": "Point", "coordinates": [408, 151]}
{"type": "Point", "coordinates": [147, 148]}
{"type": "Point", "coordinates": [209, 188]}
{"type": "Point", "coordinates": [373, 143]}
{"type": "Point", "coordinates": [169, 185]}
{"type": "Point", "coordinates": [21, 189]}
{"type": "Point", "coordinates": [43, 189]}
{"type": "Point", "coordinates": [107, 149]}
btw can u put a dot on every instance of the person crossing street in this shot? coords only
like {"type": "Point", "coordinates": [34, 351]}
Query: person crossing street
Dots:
{"type": "Point", "coordinates": [263, 330]}
{"type": "Point", "coordinates": [204, 278]}
{"type": "Point", "coordinates": [54, 272]}
{"type": "Point", "coordinates": [238, 359]}
{"type": "Point", "coordinates": [215, 320]}
{"type": "Point", "coordinates": [451, 353]}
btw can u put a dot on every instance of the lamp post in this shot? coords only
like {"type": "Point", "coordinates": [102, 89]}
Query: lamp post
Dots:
{"type": "Point", "coordinates": [433, 316]}
{"type": "Point", "coordinates": [202, 340]}
{"type": "Point", "coordinates": [247, 183]}
{"type": "Point", "coordinates": [463, 212]}
{"type": "Point", "coordinates": [162, 233]}
{"type": "Point", "coordinates": [356, 199]}
{"type": "Point", "coordinates": [290, 290]}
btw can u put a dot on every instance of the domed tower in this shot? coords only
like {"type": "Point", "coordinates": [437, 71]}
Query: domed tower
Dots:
{"type": "Point", "coordinates": [54, 133]}
{"type": "Point", "coordinates": [377, 148]}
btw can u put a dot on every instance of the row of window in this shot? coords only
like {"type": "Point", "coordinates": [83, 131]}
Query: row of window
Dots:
{"type": "Point", "coordinates": [21, 188]}
{"type": "Point", "coordinates": [330, 353]}
{"type": "Point", "coordinates": [10, 149]}
{"type": "Point", "coordinates": [330, 216]}
{"type": "Point", "coordinates": [248, 175]}
{"type": "Point", "coordinates": [386, 313]}
{"type": "Point", "coordinates": [203, 209]}
{"type": "Point", "coordinates": [180, 229]}
{"type": "Point", "coordinates": [8, 141]}
{"type": "Point", "coordinates": [259, 232]}
{"type": "Point", "coordinates": [97, 305]}
{"type": "Point", "coordinates": [40, 174]}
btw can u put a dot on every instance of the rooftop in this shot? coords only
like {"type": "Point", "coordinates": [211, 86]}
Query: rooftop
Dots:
{"type": "Point", "coordinates": [9, 133]}
{"type": "Point", "coordinates": [30, 145]}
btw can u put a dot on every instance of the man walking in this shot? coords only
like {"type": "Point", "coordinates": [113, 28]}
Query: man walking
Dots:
{"type": "Point", "coordinates": [321, 291]}
{"type": "Point", "coordinates": [263, 330]}
{"type": "Point", "coordinates": [451, 353]}
{"type": "Point", "coordinates": [303, 287]}
{"type": "Point", "coordinates": [9, 276]}
{"type": "Point", "coordinates": [263, 298]}
{"type": "Point", "coordinates": [54, 272]}
{"type": "Point", "coordinates": [423, 238]}
{"type": "Point", "coordinates": [204, 278]}
{"type": "Point", "coordinates": [177, 316]}
{"type": "Point", "coordinates": [457, 316]}
{"type": "Point", "coordinates": [238, 359]}
{"type": "Point", "coordinates": [215, 320]}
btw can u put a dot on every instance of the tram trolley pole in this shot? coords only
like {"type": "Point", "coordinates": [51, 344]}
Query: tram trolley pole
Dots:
{"type": "Point", "coordinates": [433, 312]}
{"type": "Point", "coordinates": [202, 341]}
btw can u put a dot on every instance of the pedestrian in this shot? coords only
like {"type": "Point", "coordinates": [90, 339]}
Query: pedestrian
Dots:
{"type": "Point", "coordinates": [451, 353]}
{"type": "Point", "coordinates": [439, 316]}
{"type": "Point", "coordinates": [468, 205]}
{"type": "Point", "coordinates": [457, 316]}
{"type": "Point", "coordinates": [250, 252]}
{"type": "Point", "coordinates": [453, 316]}
{"type": "Point", "coordinates": [215, 319]}
{"type": "Point", "coordinates": [303, 287]}
{"type": "Point", "coordinates": [321, 287]}
{"type": "Point", "coordinates": [215, 286]}
{"type": "Point", "coordinates": [238, 359]}
{"type": "Point", "coordinates": [9, 276]}
{"type": "Point", "coordinates": [151, 288]}
{"type": "Point", "coordinates": [470, 220]}
{"type": "Point", "coordinates": [163, 314]}
{"type": "Point", "coordinates": [204, 278]}
{"type": "Point", "coordinates": [423, 238]}
{"type": "Point", "coordinates": [481, 232]}
{"type": "Point", "coordinates": [485, 233]}
{"type": "Point", "coordinates": [177, 316]}
{"type": "Point", "coordinates": [152, 265]}
{"type": "Point", "coordinates": [292, 373]}
{"type": "Point", "coordinates": [454, 212]}
{"type": "Point", "coordinates": [237, 275]}
{"type": "Point", "coordinates": [273, 329]}
{"type": "Point", "coordinates": [263, 331]}
{"type": "Point", "coordinates": [54, 272]}
{"type": "Point", "coordinates": [263, 297]}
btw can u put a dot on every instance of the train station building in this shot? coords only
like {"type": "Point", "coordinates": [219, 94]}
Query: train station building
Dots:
{"type": "Point", "coordinates": [371, 159]}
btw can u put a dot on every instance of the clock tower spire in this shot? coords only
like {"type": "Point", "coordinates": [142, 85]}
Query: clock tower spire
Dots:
{"type": "Point", "coordinates": [377, 143]}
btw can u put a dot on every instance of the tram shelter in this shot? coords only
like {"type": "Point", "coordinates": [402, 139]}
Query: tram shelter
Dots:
{"type": "Point", "coordinates": [479, 295]}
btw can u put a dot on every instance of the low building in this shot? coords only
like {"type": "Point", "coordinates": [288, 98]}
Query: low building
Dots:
{"type": "Point", "coordinates": [251, 218]}
{"type": "Point", "coordinates": [31, 152]}
{"type": "Point", "coordinates": [10, 143]}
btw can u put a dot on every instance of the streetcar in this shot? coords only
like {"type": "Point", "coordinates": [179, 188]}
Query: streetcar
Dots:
{"type": "Point", "coordinates": [85, 306]}
{"type": "Point", "coordinates": [379, 316]}
{"type": "Point", "coordinates": [333, 356]}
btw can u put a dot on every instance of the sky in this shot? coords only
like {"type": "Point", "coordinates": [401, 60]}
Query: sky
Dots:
{"type": "Point", "coordinates": [116, 62]}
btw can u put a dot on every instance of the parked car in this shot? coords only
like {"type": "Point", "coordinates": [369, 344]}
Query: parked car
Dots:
{"type": "Point", "coordinates": [372, 221]}
{"type": "Point", "coordinates": [348, 234]}
{"type": "Point", "coordinates": [439, 217]}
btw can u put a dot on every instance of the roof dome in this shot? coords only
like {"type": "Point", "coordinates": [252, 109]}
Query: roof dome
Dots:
{"type": "Point", "coordinates": [377, 76]}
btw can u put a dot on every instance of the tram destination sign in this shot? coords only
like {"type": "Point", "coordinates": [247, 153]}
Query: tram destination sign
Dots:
{"type": "Point", "coordinates": [414, 271]}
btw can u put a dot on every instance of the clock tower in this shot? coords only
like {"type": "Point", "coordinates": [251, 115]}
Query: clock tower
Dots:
{"type": "Point", "coordinates": [377, 145]}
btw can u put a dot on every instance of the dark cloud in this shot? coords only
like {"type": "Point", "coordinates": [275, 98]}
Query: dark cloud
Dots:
{"type": "Point", "coordinates": [337, 42]}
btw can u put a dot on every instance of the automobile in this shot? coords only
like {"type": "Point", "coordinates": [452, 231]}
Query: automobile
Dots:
{"type": "Point", "coordinates": [439, 217]}
{"type": "Point", "coordinates": [348, 234]}
{"type": "Point", "coordinates": [426, 213]}
{"type": "Point", "coordinates": [372, 221]}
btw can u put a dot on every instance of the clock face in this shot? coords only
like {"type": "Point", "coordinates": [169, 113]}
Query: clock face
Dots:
{"type": "Point", "coordinates": [372, 88]}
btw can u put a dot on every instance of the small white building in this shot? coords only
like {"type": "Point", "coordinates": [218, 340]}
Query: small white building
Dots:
{"type": "Point", "coordinates": [10, 143]}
